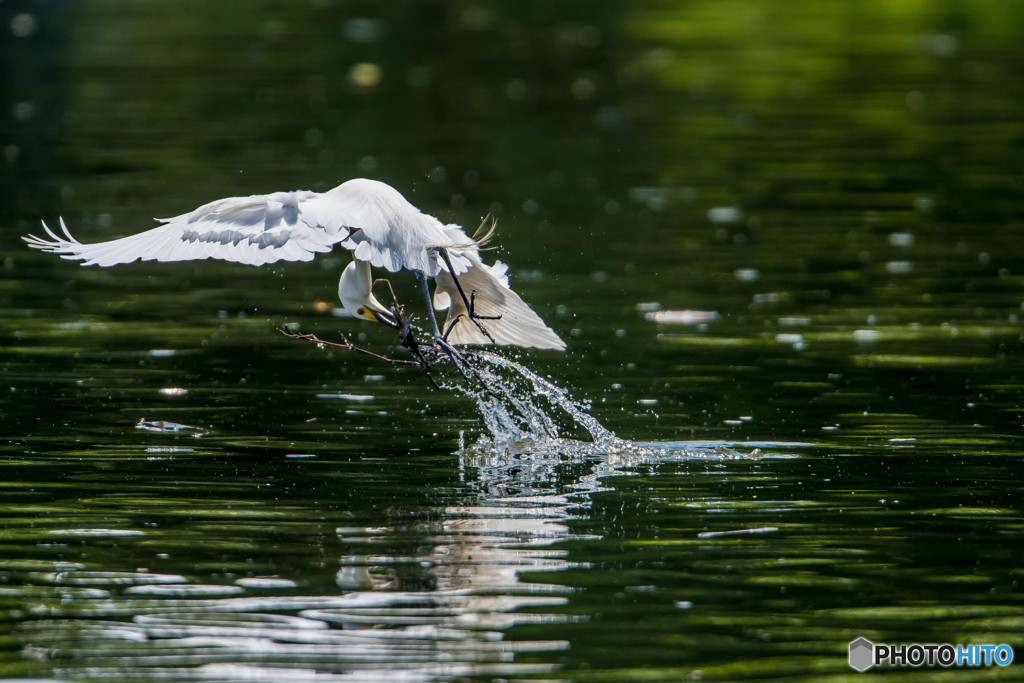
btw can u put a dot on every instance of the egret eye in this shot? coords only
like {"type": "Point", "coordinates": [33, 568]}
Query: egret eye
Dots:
{"type": "Point", "coordinates": [361, 311]}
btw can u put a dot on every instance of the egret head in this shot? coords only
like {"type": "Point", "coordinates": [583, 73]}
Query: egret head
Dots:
{"type": "Point", "coordinates": [355, 291]}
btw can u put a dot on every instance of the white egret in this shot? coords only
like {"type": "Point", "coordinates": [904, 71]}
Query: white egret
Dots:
{"type": "Point", "coordinates": [369, 218]}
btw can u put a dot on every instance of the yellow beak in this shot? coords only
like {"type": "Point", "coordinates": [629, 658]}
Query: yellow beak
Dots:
{"type": "Point", "coordinates": [377, 313]}
{"type": "Point", "coordinates": [367, 312]}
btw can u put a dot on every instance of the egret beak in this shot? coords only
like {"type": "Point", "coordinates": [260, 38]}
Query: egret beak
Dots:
{"type": "Point", "coordinates": [376, 313]}
{"type": "Point", "coordinates": [385, 318]}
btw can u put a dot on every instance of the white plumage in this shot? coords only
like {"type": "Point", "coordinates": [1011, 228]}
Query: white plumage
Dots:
{"type": "Point", "coordinates": [369, 218]}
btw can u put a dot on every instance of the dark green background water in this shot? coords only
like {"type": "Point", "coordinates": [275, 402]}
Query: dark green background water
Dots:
{"type": "Point", "coordinates": [835, 449]}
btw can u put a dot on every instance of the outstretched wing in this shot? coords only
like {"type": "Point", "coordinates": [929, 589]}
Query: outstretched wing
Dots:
{"type": "Point", "coordinates": [253, 230]}
{"type": "Point", "coordinates": [369, 218]}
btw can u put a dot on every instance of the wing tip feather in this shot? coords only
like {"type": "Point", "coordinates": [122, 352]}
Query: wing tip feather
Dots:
{"type": "Point", "coordinates": [53, 243]}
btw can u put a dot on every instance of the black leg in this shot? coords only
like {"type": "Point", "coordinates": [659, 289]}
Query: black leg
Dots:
{"type": "Point", "coordinates": [441, 340]}
{"type": "Point", "coordinates": [430, 303]}
{"type": "Point", "coordinates": [468, 301]}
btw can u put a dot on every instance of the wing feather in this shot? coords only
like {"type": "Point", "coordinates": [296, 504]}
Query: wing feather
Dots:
{"type": "Point", "coordinates": [253, 230]}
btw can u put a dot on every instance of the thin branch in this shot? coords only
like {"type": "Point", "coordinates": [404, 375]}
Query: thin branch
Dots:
{"type": "Point", "coordinates": [345, 344]}
{"type": "Point", "coordinates": [423, 355]}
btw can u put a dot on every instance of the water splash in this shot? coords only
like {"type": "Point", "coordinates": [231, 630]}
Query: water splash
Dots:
{"type": "Point", "coordinates": [525, 454]}
{"type": "Point", "coordinates": [507, 398]}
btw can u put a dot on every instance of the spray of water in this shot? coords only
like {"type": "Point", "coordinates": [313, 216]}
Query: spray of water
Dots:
{"type": "Point", "coordinates": [525, 411]}
{"type": "Point", "coordinates": [525, 451]}
{"type": "Point", "coordinates": [523, 455]}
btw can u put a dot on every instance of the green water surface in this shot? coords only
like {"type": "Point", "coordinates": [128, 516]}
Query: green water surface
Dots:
{"type": "Point", "coordinates": [782, 242]}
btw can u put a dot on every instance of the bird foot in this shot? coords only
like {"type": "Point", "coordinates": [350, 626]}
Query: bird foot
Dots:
{"type": "Point", "coordinates": [472, 310]}
{"type": "Point", "coordinates": [476, 317]}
